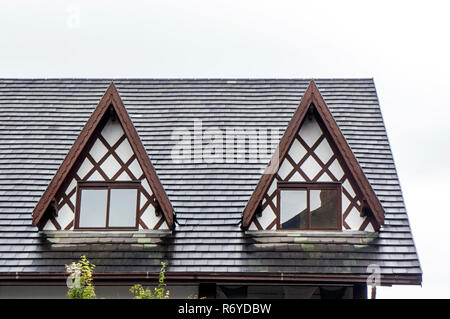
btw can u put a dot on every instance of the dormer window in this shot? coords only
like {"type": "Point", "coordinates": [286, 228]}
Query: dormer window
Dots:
{"type": "Point", "coordinates": [310, 206]}
{"type": "Point", "coordinates": [107, 180]}
{"type": "Point", "coordinates": [107, 205]}
{"type": "Point", "coordinates": [318, 183]}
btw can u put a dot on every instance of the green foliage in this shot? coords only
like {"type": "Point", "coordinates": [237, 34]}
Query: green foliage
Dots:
{"type": "Point", "coordinates": [160, 292]}
{"type": "Point", "coordinates": [81, 284]}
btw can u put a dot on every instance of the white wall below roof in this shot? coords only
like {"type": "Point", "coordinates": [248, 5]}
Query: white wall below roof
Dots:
{"type": "Point", "coordinates": [107, 292]}
{"type": "Point", "coordinates": [176, 292]}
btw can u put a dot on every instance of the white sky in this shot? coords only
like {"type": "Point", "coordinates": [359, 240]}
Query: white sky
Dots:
{"type": "Point", "coordinates": [403, 45]}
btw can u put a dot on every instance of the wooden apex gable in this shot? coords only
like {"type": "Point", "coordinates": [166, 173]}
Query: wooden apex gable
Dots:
{"type": "Point", "coordinates": [313, 102]}
{"type": "Point", "coordinates": [110, 103]}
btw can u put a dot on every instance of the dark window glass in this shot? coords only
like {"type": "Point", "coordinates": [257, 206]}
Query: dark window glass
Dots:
{"type": "Point", "coordinates": [309, 206]}
{"type": "Point", "coordinates": [324, 207]}
{"type": "Point", "coordinates": [122, 211]}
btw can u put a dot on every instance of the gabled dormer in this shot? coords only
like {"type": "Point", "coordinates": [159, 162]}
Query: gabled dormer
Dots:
{"type": "Point", "coordinates": [313, 181]}
{"type": "Point", "coordinates": [106, 181]}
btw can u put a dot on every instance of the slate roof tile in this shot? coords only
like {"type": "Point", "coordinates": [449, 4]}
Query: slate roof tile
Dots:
{"type": "Point", "coordinates": [41, 118]}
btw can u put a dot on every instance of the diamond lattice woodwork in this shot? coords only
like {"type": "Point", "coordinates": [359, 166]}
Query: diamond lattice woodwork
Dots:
{"type": "Point", "coordinates": [108, 157]}
{"type": "Point", "coordinates": [312, 157]}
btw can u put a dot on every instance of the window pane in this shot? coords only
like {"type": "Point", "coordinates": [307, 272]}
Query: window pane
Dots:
{"type": "Point", "coordinates": [324, 208]}
{"type": "Point", "coordinates": [122, 208]}
{"type": "Point", "coordinates": [93, 208]}
{"type": "Point", "coordinates": [293, 209]}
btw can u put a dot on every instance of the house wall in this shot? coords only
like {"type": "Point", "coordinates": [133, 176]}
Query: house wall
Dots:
{"type": "Point", "coordinates": [120, 165]}
{"type": "Point", "coordinates": [107, 292]}
{"type": "Point", "coordinates": [325, 157]}
{"type": "Point", "coordinates": [192, 291]}
{"type": "Point", "coordinates": [284, 292]}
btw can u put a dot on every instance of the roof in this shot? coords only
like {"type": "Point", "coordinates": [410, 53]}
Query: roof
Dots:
{"type": "Point", "coordinates": [40, 120]}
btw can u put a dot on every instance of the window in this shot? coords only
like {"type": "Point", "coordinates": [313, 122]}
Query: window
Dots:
{"type": "Point", "coordinates": [309, 206]}
{"type": "Point", "coordinates": [102, 205]}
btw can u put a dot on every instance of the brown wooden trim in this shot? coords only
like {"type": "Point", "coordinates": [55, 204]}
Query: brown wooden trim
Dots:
{"type": "Point", "coordinates": [325, 170]}
{"type": "Point", "coordinates": [116, 184]}
{"type": "Point", "coordinates": [349, 158]}
{"type": "Point", "coordinates": [313, 98]}
{"type": "Point", "coordinates": [268, 201]}
{"type": "Point", "coordinates": [347, 176]}
{"type": "Point", "coordinates": [147, 203]}
{"type": "Point", "coordinates": [70, 225]}
{"type": "Point", "coordinates": [142, 224]}
{"type": "Point", "coordinates": [272, 224]}
{"type": "Point", "coordinates": [138, 204]}
{"type": "Point", "coordinates": [66, 200]}
{"type": "Point", "coordinates": [110, 152]}
{"type": "Point", "coordinates": [277, 212]}
{"type": "Point", "coordinates": [144, 160]}
{"type": "Point", "coordinates": [364, 224]}
{"type": "Point", "coordinates": [55, 223]}
{"type": "Point", "coordinates": [257, 224]}
{"type": "Point", "coordinates": [296, 168]}
{"type": "Point", "coordinates": [83, 185]}
{"type": "Point", "coordinates": [308, 187]}
{"type": "Point", "coordinates": [159, 223]}
{"type": "Point", "coordinates": [124, 168]}
{"type": "Point", "coordinates": [110, 98]}
{"type": "Point", "coordinates": [318, 185]}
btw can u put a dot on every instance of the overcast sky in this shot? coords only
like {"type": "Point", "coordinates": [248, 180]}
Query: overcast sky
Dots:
{"type": "Point", "coordinates": [403, 45]}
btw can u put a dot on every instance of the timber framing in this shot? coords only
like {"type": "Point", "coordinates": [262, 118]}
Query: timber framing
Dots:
{"type": "Point", "coordinates": [308, 187]}
{"type": "Point", "coordinates": [312, 99]}
{"type": "Point", "coordinates": [110, 99]}
{"type": "Point", "coordinates": [108, 186]}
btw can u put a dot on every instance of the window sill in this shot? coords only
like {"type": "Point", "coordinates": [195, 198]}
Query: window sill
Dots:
{"type": "Point", "coordinates": [312, 233]}
{"type": "Point", "coordinates": [78, 237]}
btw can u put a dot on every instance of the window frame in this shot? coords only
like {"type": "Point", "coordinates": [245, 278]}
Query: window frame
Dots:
{"type": "Point", "coordinates": [308, 187]}
{"type": "Point", "coordinates": [86, 185]}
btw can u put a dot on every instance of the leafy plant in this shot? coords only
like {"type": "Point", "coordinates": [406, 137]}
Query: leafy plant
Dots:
{"type": "Point", "coordinates": [159, 292]}
{"type": "Point", "coordinates": [80, 280]}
